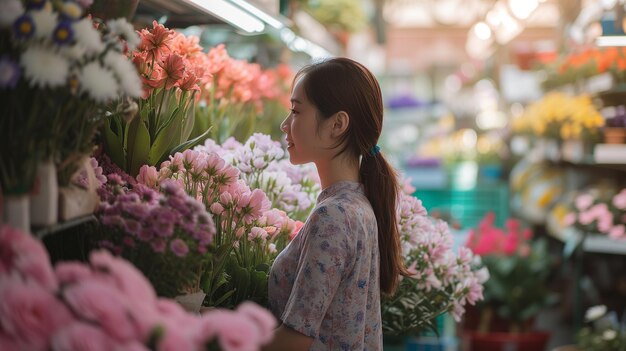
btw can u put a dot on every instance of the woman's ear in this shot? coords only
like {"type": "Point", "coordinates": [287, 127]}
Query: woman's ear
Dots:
{"type": "Point", "coordinates": [340, 123]}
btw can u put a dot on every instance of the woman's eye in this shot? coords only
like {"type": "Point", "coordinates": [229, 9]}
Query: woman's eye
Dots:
{"type": "Point", "coordinates": [294, 111]}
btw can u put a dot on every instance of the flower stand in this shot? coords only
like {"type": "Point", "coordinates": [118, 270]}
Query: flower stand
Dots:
{"type": "Point", "coordinates": [44, 198]}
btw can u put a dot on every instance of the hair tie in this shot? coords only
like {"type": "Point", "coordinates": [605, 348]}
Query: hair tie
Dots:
{"type": "Point", "coordinates": [375, 150]}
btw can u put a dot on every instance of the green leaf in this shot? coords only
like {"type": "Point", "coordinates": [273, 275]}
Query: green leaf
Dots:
{"type": "Point", "coordinates": [188, 144]}
{"type": "Point", "coordinates": [113, 145]}
{"type": "Point", "coordinates": [188, 121]}
{"type": "Point", "coordinates": [138, 145]}
{"type": "Point", "coordinates": [224, 297]}
{"type": "Point", "coordinates": [166, 138]}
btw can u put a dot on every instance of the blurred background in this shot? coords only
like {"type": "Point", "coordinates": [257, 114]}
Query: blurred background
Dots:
{"type": "Point", "coordinates": [510, 107]}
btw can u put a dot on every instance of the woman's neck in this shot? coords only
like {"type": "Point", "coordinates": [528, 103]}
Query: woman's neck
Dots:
{"type": "Point", "coordinates": [340, 168]}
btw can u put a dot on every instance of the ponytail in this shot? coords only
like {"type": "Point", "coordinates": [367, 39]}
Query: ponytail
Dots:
{"type": "Point", "coordinates": [381, 188]}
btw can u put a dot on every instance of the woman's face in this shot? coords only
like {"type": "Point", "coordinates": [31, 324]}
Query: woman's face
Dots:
{"type": "Point", "coordinates": [304, 143]}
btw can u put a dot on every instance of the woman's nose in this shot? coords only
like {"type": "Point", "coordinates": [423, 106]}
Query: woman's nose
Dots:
{"type": "Point", "coordinates": [283, 125]}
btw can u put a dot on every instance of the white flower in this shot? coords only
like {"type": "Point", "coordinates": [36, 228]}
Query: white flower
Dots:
{"type": "Point", "coordinates": [122, 28]}
{"type": "Point", "coordinates": [125, 72]}
{"type": "Point", "coordinates": [44, 68]}
{"type": "Point", "coordinates": [87, 36]}
{"type": "Point", "coordinates": [98, 82]}
{"type": "Point", "coordinates": [73, 52]}
{"type": "Point", "coordinates": [609, 334]}
{"type": "Point", "coordinates": [482, 275]}
{"type": "Point", "coordinates": [595, 312]}
{"type": "Point", "coordinates": [10, 10]}
{"type": "Point", "coordinates": [45, 21]}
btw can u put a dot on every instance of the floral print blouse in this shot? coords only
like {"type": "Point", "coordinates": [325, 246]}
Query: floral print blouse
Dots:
{"type": "Point", "coordinates": [325, 283]}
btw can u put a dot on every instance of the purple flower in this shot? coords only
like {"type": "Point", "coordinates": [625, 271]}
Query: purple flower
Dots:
{"type": "Point", "coordinates": [35, 4]}
{"type": "Point", "coordinates": [179, 247]}
{"type": "Point", "coordinates": [24, 27]}
{"type": "Point", "coordinates": [9, 72]}
{"type": "Point", "coordinates": [63, 33]}
{"type": "Point", "coordinates": [158, 245]}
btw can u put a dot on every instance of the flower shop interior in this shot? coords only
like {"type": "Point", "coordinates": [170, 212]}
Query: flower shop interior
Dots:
{"type": "Point", "coordinates": [146, 187]}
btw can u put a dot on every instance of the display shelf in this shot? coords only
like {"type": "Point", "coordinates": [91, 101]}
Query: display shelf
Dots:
{"type": "Point", "coordinates": [594, 243]}
{"type": "Point", "coordinates": [55, 228]}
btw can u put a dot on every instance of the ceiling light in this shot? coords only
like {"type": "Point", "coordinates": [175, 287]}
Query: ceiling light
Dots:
{"type": "Point", "coordinates": [482, 31]}
{"type": "Point", "coordinates": [231, 14]}
{"type": "Point", "coordinates": [259, 13]}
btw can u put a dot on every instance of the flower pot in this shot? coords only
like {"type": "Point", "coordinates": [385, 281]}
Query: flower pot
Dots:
{"type": "Point", "coordinates": [191, 302]}
{"type": "Point", "coordinates": [16, 212]}
{"type": "Point", "coordinates": [44, 198]}
{"type": "Point", "coordinates": [614, 135]}
{"type": "Point", "coordinates": [76, 201]}
{"type": "Point", "coordinates": [502, 341]}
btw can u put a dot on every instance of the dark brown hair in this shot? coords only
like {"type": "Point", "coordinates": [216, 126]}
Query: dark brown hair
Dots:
{"type": "Point", "coordinates": [341, 84]}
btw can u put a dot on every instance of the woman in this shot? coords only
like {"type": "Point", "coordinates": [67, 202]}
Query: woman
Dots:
{"type": "Point", "coordinates": [325, 286]}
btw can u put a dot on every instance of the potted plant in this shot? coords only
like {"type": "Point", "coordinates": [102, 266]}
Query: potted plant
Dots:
{"type": "Point", "coordinates": [516, 291]}
{"type": "Point", "coordinates": [603, 331]}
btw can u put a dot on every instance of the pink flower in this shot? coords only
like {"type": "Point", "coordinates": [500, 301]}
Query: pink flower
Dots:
{"type": "Point", "coordinates": [179, 247]}
{"type": "Point", "coordinates": [617, 232]}
{"type": "Point", "coordinates": [411, 269]}
{"type": "Point", "coordinates": [584, 201]}
{"type": "Point", "coordinates": [30, 314]}
{"type": "Point", "coordinates": [98, 302]}
{"type": "Point", "coordinates": [586, 217]}
{"type": "Point", "coordinates": [21, 252]}
{"type": "Point", "coordinates": [126, 277]}
{"type": "Point", "coordinates": [72, 272]}
{"type": "Point", "coordinates": [174, 340]}
{"type": "Point", "coordinates": [149, 176]}
{"type": "Point", "coordinates": [257, 232]}
{"type": "Point", "coordinates": [264, 320]}
{"type": "Point", "coordinates": [296, 229]}
{"type": "Point", "coordinates": [619, 200]}
{"type": "Point", "coordinates": [80, 336]}
{"type": "Point", "coordinates": [217, 208]}
{"type": "Point", "coordinates": [234, 331]}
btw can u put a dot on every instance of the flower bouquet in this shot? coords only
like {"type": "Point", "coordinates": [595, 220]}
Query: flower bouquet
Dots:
{"type": "Point", "coordinates": [172, 68]}
{"type": "Point", "coordinates": [106, 304]}
{"type": "Point", "coordinates": [60, 72]}
{"type": "Point", "coordinates": [440, 280]}
{"type": "Point", "coordinates": [249, 233]}
{"type": "Point", "coordinates": [163, 232]}
{"type": "Point", "coordinates": [519, 270]}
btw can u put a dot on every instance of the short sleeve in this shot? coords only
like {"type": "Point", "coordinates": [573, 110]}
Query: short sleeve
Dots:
{"type": "Point", "coordinates": [326, 256]}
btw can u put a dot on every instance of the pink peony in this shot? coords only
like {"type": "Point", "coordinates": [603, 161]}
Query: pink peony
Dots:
{"type": "Point", "coordinates": [584, 201]}
{"type": "Point", "coordinates": [20, 252]}
{"type": "Point", "coordinates": [127, 278]}
{"type": "Point", "coordinates": [264, 320]}
{"type": "Point", "coordinates": [234, 331]}
{"type": "Point", "coordinates": [30, 314]}
{"type": "Point", "coordinates": [72, 272]}
{"type": "Point", "coordinates": [80, 336]}
{"type": "Point", "coordinates": [101, 303]}
{"type": "Point", "coordinates": [175, 340]}
{"type": "Point", "coordinates": [619, 200]}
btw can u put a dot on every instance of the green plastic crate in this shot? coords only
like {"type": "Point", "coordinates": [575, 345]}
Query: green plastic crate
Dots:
{"type": "Point", "coordinates": [468, 207]}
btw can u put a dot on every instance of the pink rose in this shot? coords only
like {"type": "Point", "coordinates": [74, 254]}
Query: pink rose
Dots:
{"type": "Point", "coordinates": [101, 303]}
{"type": "Point", "coordinates": [619, 200]}
{"type": "Point", "coordinates": [30, 314]}
{"type": "Point", "coordinates": [80, 336]}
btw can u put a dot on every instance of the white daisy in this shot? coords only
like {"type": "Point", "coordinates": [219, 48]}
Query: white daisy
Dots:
{"type": "Point", "coordinates": [45, 21]}
{"type": "Point", "coordinates": [10, 10]}
{"type": "Point", "coordinates": [87, 36]}
{"type": "Point", "coordinates": [121, 27]}
{"type": "Point", "coordinates": [73, 52]}
{"type": "Point", "coordinates": [98, 82]}
{"type": "Point", "coordinates": [44, 68]}
{"type": "Point", "coordinates": [125, 72]}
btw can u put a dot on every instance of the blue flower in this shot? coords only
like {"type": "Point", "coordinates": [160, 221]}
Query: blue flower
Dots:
{"type": "Point", "coordinates": [35, 4]}
{"type": "Point", "coordinates": [9, 72]}
{"type": "Point", "coordinates": [24, 27]}
{"type": "Point", "coordinates": [63, 33]}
